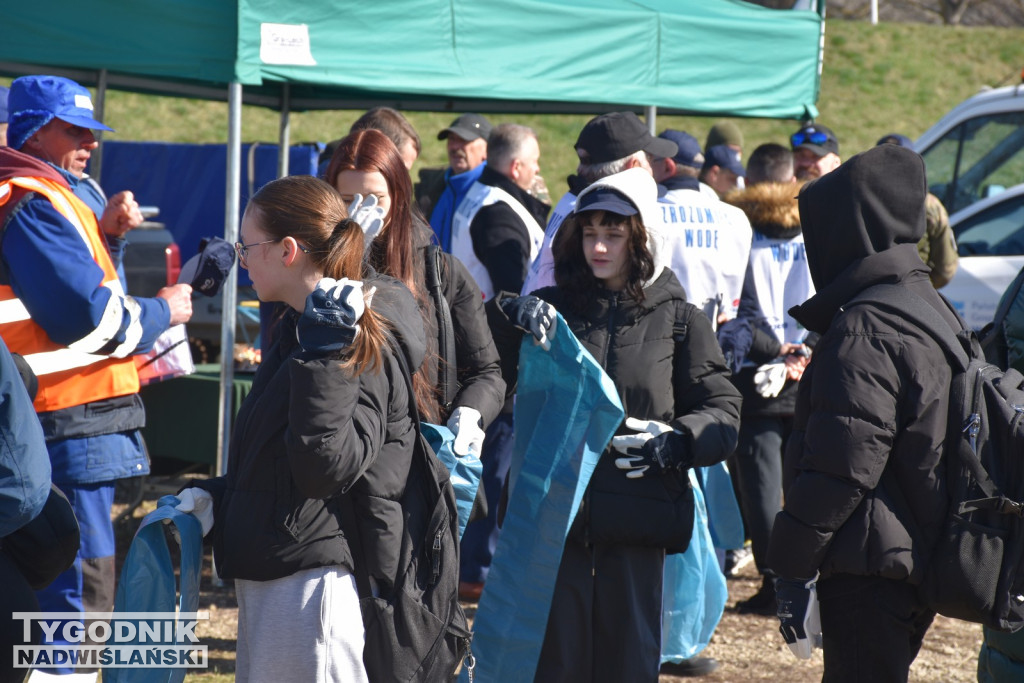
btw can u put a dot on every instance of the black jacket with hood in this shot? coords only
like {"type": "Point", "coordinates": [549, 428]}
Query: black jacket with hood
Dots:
{"type": "Point", "coordinates": [662, 355]}
{"type": "Point", "coordinates": [308, 433]}
{"type": "Point", "coordinates": [864, 492]}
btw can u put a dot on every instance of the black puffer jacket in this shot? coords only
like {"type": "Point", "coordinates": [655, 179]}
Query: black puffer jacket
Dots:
{"type": "Point", "coordinates": [307, 433]}
{"type": "Point", "coordinates": [864, 494]}
{"type": "Point", "coordinates": [667, 366]}
{"type": "Point", "coordinates": [478, 374]}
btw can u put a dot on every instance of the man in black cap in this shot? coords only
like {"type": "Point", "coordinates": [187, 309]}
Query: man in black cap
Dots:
{"type": "Point", "coordinates": [608, 144]}
{"type": "Point", "coordinates": [467, 156]}
{"type": "Point", "coordinates": [815, 151]}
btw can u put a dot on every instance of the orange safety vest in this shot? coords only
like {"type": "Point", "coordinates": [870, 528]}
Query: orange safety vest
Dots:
{"type": "Point", "coordinates": [74, 374]}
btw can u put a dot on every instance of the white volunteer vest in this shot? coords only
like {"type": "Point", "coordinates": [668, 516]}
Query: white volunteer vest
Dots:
{"type": "Point", "coordinates": [542, 272]}
{"type": "Point", "coordinates": [708, 244]}
{"type": "Point", "coordinates": [781, 280]}
{"type": "Point", "coordinates": [479, 196]}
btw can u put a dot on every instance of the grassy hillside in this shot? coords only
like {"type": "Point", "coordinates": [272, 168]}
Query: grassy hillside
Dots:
{"type": "Point", "coordinates": [876, 80]}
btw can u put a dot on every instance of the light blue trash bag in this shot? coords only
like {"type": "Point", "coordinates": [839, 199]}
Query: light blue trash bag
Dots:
{"type": "Point", "coordinates": [694, 596]}
{"type": "Point", "coordinates": [147, 582]}
{"type": "Point", "coordinates": [566, 411]}
{"type": "Point", "coordinates": [465, 470]}
{"type": "Point", "coordinates": [724, 519]}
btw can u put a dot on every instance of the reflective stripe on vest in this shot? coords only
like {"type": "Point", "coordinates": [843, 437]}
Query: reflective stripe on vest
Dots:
{"type": "Point", "coordinates": [479, 196]}
{"type": "Point", "coordinates": [87, 369]}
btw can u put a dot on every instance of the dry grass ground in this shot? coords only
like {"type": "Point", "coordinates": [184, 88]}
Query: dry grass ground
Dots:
{"type": "Point", "coordinates": [748, 647]}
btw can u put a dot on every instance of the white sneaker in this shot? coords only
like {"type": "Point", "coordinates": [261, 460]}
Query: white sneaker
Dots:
{"type": "Point", "coordinates": [737, 559]}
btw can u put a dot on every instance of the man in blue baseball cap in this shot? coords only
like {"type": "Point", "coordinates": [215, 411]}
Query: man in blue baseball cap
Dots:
{"type": "Point", "coordinates": [722, 169]}
{"type": "Point", "coordinates": [64, 309]}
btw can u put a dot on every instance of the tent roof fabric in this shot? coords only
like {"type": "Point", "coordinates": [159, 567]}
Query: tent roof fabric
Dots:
{"type": "Point", "coordinates": [715, 57]}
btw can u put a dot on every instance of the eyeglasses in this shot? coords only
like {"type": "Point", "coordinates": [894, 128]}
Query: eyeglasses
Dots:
{"type": "Point", "coordinates": [243, 249]}
{"type": "Point", "coordinates": [815, 137]}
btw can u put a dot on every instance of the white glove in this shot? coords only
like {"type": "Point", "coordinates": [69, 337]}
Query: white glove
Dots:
{"type": "Point", "coordinates": [654, 450]}
{"type": "Point", "coordinates": [465, 425]}
{"type": "Point", "coordinates": [368, 215]}
{"type": "Point", "coordinates": [198, 503]}
{"type": "Point", "coordinates": [769, 379]}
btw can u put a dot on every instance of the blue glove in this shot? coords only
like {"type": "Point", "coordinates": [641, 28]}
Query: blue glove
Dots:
{"type": "Point", "coordinates": [532, 315]}
{"type": "Point", "coordinates": [654, 450]}
{"type": "Point", "coordinates": [329, 322]}
{"type": "Point", "coordinates": [797, 609]}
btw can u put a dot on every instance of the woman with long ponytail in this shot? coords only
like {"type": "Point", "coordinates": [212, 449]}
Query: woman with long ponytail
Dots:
{"type": "Point", "coordinates": [327, 402]}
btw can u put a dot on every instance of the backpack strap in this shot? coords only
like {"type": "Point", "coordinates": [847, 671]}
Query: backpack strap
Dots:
{"type": "Point", "coordinates": [447, 379]}
{"type": "Point", "coordinates": [906, 303]}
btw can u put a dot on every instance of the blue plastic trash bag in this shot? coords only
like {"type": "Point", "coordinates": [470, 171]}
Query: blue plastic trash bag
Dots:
{"type": "Point", "coordinates": [465, 470]}
{"type": "Point", "coordinates": [566, 411]}
{"type": "Point", "coordinates": [147, 582]}
{"type": "Point", "coordinates": [695, 592]}
{"type": "Point", "coordinates": [724, 519]}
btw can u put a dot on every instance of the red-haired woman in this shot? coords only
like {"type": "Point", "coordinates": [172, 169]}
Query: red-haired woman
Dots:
{"type": "Point", "coordinates": [460, 381]}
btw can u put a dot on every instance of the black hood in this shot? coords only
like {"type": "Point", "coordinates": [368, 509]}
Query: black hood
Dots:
{"type": "Point", "coordinates": [868, 205]}
{"type": "Point", "coordinates": [861, 225]}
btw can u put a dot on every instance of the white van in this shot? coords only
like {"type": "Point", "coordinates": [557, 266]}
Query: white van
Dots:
{"type": "Point", "coordinates": [975, 161]}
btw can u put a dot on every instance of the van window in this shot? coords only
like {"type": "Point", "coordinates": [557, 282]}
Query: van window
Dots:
{"type": "Point", "coordinates": [998, 230]}
{"type": "Point", "coordinates": [977, 159]}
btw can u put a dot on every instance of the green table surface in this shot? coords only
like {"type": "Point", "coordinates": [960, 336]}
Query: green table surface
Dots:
{"type": "Point", "coordinates": [181, 414]}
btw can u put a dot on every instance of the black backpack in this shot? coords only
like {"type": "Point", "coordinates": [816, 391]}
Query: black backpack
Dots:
{"type": "Point", "coordinates": [976, 571]}
{"type": "Point", "coordinates": [418, 632]}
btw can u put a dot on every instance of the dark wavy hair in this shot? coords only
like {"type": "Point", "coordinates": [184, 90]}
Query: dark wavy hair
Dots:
{"type": "Point", "coordinates": [572, 272]}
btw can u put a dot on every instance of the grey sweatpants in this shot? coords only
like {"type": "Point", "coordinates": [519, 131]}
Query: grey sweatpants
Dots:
{"type": "Point", "coordinates": [304, 627]}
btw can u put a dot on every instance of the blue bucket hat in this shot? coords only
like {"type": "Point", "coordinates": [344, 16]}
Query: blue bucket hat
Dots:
{"type": "Point", "coordinates": [35, 100]}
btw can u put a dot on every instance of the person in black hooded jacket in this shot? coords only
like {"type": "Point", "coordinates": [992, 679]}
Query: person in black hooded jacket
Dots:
{"type": "Point", "coordinates": [864, 494]}
{"type": "Point", "coordinates": [631, 314]}
{"type": "Point", "coordinates": [328, 418]}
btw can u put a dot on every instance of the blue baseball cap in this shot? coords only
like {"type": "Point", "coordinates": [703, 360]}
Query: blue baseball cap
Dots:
{"type": "Point", "coordinates": [725, 157]}
{"type": "Point", "coordinates": [896, 139]}
{"type": "Point", "coordinates": [59, 97]}
{"type": "Point", "coordinates": [606, 199]}
{"type": "Point", "coordinates": [689, 153]}
{"type": "Point", "coordinates": [3, 103]}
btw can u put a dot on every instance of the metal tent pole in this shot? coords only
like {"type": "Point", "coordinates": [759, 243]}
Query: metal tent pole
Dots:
{"type": "Point", "coordinates": [227, 331]}
{"type": "Point", "coordinates": [285, 132]}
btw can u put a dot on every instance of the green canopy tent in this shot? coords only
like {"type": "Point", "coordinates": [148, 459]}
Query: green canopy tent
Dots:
{"type": "Point", "coordinates": [714, 57]}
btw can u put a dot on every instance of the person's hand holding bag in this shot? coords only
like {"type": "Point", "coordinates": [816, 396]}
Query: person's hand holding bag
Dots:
{"type": "Point", "coordinates": [533, 315]}
{"type": "Point", "coordinates": [654, 450]}
{"type": "Point", "coordinates": [198, 503]}
{"type": "Point", "coordinates": [465, 425]}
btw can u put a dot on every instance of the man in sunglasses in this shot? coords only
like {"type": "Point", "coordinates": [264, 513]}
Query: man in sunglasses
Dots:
{"type": "Point", "coordinates": [815, 151]}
